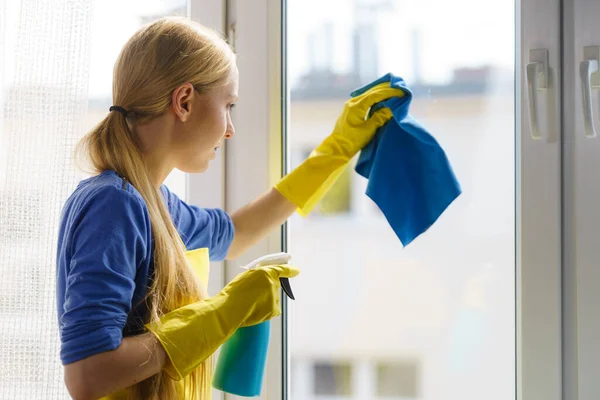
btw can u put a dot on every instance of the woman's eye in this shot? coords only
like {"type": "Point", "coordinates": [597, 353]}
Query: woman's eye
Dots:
{"type": "Point", "coordinates": [231, 105]}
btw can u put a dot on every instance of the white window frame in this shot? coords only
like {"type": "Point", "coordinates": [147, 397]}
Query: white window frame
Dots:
{"type": "Point", "coordinates": [539, 210]}
{"type": "Point", "coordinates": [254, 157]}
{"type": "Point", "coordinates": [581, 325]}
{"type": "Point", "coordinates": [253, 162]}
{"type": "Point", "coordinates": [257, 146]}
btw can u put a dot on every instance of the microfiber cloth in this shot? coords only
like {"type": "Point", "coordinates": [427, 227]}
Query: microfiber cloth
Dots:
{"type": "Point", "coordinates": [409, 176]}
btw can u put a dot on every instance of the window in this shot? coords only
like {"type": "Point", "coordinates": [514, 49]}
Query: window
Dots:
{"type": "Point", "coordinates": [398, 379]}
{"type": "Point", "coordinates": [332, 379]}
{"type": "Point", "coordinates": [448, 300]}
{"type": "Point", "coordinates": [449, 296]}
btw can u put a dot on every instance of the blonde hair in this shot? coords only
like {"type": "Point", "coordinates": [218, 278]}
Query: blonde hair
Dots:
{"type": "Point", "coordinates": [157, 59]}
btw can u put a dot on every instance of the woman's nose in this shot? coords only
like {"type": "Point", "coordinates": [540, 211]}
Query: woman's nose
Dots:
{"type": "Point", "coordinates": [230, 130]}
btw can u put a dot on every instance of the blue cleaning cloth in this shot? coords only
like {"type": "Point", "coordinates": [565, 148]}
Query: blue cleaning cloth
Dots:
{"type": "Point", "coordinates": [409, 176]}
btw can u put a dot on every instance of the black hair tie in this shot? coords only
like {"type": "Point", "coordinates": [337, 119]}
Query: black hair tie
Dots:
{"type": "Point", "coordinates": [118, 109]}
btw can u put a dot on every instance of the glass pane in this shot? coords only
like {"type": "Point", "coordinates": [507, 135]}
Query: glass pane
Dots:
{"type": "Point", "coordinates": [434, 320]}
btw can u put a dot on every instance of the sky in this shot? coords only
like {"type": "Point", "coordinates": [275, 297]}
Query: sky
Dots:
{"type": "Point", "coordinates": [450, 36]}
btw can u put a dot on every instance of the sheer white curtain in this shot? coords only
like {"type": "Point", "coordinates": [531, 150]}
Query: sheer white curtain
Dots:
{"type": "Point", "coordinates": [44, 73]}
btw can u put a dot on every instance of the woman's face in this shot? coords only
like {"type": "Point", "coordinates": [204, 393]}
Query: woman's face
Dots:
{"type": "Point", "coordinates": [207, 126]}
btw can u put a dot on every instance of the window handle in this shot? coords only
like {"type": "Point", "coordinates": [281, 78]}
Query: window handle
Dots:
{"type": "Point", "coordinates": [536, 74]}
{"type": "Point", "coordinates": [588, 72]}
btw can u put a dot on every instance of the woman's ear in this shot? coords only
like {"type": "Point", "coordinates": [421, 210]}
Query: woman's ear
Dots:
{"type": "Point", "coordinates": [181, 101]}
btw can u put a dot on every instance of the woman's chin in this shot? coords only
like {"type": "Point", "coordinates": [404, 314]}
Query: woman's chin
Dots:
{"type": "Point", "coordinates": [196, 168]}
{"type": "Point", "coordinates": [202, 167]}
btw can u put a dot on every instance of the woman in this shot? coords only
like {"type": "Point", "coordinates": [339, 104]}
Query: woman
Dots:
{"type": "Point", "coordinates": [135, 320]}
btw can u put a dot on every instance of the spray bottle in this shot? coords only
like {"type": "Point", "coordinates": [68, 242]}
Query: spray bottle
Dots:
{"type": "Point", "coordinates": [242, 360]}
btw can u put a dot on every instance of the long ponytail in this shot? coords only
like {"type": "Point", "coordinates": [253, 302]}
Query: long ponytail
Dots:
{"type": "Point", "coordinates": [157, 58]}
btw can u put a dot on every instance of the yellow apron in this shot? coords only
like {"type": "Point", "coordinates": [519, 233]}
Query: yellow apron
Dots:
{"type": "Point", "coordinates": [199, 261]}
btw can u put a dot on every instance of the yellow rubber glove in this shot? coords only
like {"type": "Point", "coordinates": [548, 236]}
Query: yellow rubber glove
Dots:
{"type": "Point", "coordinates": [192, 333]}
{"type": "Point", "coordinates": [306, 185]}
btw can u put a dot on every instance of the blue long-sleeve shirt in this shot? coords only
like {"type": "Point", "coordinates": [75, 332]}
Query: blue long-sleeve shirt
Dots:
{"type": "Point", "coordinates": [105, 260]}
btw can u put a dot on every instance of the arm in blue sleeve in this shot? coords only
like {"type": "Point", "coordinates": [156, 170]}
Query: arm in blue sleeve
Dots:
{"type": "Point", "coordinates": [202, 227]}
{"type": "Point", "coordinates": [108, 244]}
